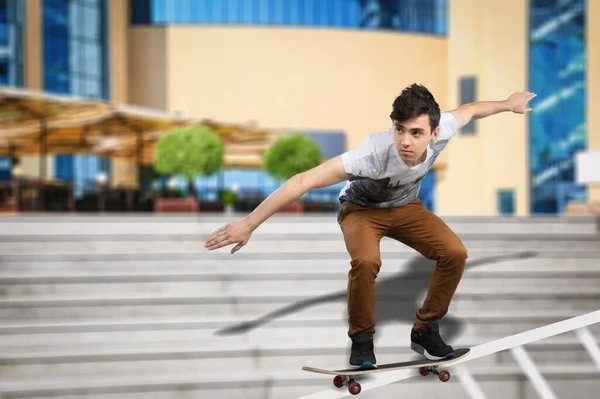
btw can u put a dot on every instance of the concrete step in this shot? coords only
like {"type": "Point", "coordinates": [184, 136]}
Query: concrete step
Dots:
{"type": "Point", "coordinates": [496, 382]}
{"type": "Point", "coordinates": [112, 361]}
{"type": "Point", "coordinates": [252, 331]}
{"type": "Point", "coordinates": [286, 244]}
{"type": "Point", "coordinates": [259, 257]}
{"type": "Point", "coordinates": [325, 232]}
{"type": "Point", "coordinates": [316, 283]}
{"type": "Point", "coordinates": [285, 332]}
{"type": "Point", "coordinates": [521, 264]}
{"type": "Point", "coordinates": [135, 224]}
{"type": "Point", "coordinates": [391, 344]}
{"type": "Point", "coordinates": [259, 305]}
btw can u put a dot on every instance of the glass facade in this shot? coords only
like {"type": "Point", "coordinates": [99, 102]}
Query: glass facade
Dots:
{"type": "Point", "coordinates": [11, 57]}
{"type": "Point", "coordinates": [423, 16]}
{"type": "Point", "coordinates": [75, 63]}
{"type": "Point", "coordinates": [558, 121]}
{"type": "Point", "coordinates": [11, 43]}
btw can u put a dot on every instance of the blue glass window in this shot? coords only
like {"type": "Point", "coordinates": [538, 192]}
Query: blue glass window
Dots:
{"type": "Point", "coordinates": [425, 16]}
{"type": "Point", "coordinates": [468, 94]}
{"type": "Point", "coordinates": [75, 63]}
{"type": "Point", "coordinates": [558, 125]}
{"type": "Point", "coordinates": [11, 42]}
{"type": "Point", "coordinates": [5, 168]}
{"type": "Point", "coordinates": [4, 27]}
{"type": "Point", "coordinates": [4, 75]}
{"type": "Point", "coordinates": [427, 191]}
{"type": "Point", "coordinates": [506, 202]}
{"type": "Point", "coordinates": [75, 47]}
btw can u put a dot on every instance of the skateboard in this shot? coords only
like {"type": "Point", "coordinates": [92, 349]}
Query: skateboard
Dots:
{"type": "Point", "coordinates": [346, 377]}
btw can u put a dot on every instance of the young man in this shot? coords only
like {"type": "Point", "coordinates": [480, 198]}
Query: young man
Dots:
{"type": "Point", "coordinates": [380, 199]}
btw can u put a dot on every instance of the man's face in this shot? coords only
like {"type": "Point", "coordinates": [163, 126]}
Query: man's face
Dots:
{"type": "Point", "coordinates": [412, 137]}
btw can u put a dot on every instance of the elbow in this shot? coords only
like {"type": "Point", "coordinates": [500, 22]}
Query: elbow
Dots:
{"type": "Point", "coordinates": [299, 183]}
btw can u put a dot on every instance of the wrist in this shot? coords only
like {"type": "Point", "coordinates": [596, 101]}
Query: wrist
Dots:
{"type": "Point", "coordinates": [251, 222]}
{"type": "Point", "coordinates": [507, 106]}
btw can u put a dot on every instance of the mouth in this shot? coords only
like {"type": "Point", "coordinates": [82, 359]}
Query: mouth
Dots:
{"type": "Point", "coordinates": [406, 152]}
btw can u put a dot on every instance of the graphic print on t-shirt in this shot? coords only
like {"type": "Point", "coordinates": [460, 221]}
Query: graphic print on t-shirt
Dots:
{"type": "Point", "coordinates": [377, 176]}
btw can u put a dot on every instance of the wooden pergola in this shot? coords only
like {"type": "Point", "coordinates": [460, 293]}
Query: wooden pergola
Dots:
{"type": "Point", "coordinates": [37, 123]}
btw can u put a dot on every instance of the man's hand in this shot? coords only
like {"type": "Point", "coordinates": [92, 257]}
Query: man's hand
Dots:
{"type": "Point", "coordinates": [238, 232]}
{"type": "Point", "coordinates": [326, 174]}
{"type": "Point", "coordinates": [517, 102]}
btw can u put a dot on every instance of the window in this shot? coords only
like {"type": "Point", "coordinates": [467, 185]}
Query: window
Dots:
{"type": "Point", "coordinates": [557, 66]}
{"type": "Point", "coordinates": [331, 144]}
{"type": "Point", "coordinates": [75, 62]}
{"type": "Point", "coordinates": [4, 78]}
{"type": "Point", "coordinates": [425, 16]}
{"type": "Point", "coordinates": [11, 49]}
{"type": "Point", "coordinates": [4, 23]}
{"type": "Point", "coordinates": [468, 94]}
{"type": "Point", "coordinates": [506, 202]}
{"type": "Point", "coordinates": [74, 48]}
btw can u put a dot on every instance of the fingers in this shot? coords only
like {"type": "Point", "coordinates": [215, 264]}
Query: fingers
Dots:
{"type": "Point", "coordinates": [217, 239]}
{"type": "Point", "coordinates": [217, 243]}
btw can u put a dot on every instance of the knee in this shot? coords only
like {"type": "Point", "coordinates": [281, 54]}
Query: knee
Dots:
{"type": "Point", "coordinates": [366, 264]}
{"type": "Point", "coordinates": [454, 256]}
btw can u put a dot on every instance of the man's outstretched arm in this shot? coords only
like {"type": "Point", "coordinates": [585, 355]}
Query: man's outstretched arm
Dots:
{"type": "Point", "coordinates": [516, 103]}
{"type": "Point", "coordinates": [239, 231]}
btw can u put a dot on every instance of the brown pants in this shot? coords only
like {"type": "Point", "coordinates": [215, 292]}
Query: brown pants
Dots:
{"type": "Point", "coordinates": [415, 226]}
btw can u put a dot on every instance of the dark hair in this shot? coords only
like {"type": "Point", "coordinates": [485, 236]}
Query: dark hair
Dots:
{"type": "Point", "coordinates": [415, 100]}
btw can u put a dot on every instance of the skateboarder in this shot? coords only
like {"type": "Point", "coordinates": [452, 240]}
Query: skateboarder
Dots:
{"type": "Point", "coordinates": [380, 198]}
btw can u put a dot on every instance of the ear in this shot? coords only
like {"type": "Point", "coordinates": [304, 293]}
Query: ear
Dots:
{"type": "Point", "coordinates": [434, 134]}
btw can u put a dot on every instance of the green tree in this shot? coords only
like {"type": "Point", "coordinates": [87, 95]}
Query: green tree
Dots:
{"type": "Point", "coordinates": [189, 152]}
{"type": "Point", "coordinates": [291, 154]}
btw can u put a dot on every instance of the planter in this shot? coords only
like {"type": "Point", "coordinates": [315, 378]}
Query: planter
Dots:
{"type": "Point", "coordinates": [179, 205]}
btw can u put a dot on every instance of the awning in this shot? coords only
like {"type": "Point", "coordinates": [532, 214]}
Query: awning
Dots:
{"type": "Point", "coordinates": [36, 123]}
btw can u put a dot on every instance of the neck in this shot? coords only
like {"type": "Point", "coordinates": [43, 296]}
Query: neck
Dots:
{"type": "Point", "coordinates": [418, 161]}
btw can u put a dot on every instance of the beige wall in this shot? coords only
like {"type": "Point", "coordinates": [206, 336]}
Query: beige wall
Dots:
{"type": "Point", "coordinates": [283, 78]}
{"type": "Point", "coordinates": [593, 84]}
{"type": "Point", "coordinates": [30, 166]}
{"type": "Point", "coordinates": [147, 67]}
{"type": "Point", "coordinates": [495, 157]}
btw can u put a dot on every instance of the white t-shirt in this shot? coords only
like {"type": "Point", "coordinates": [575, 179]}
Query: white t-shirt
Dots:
{"type": "Point", "coordinates": [378, 177]}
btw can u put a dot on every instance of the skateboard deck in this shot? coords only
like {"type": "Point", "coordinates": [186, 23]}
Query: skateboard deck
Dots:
{"type": "Point", "coordinates": [346, 377]}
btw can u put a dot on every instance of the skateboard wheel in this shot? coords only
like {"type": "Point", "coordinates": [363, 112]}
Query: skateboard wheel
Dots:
{"type": "Point", "coordinates": [444, 376]}
{"type": "Point", "coordinates": [423, 371]}
{"type": "Point", "coordinates": [338, 381]}
{"type": "Point", "coordinates": [354, 388]}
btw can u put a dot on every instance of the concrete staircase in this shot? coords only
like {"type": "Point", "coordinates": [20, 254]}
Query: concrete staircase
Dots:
{"type": "Point", "coordinates": [132, 306]}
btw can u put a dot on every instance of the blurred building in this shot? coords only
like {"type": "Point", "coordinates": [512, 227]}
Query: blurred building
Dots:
{"type": "Point", "coordinates": [332, 69]}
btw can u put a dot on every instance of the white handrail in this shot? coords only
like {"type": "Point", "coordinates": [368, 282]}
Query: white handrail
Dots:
{"type": "Point", "coordinates": [589, 343]}
{"type": "Point", "coordinates": [488, 348]}
{"type": "Point", "coordinates": [469, 382]}
{"type": "Point", "coordinates": [531, 371]}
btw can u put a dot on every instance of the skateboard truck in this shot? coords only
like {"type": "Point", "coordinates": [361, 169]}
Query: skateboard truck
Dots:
{"type": "Point", "coordinates": [339, 381]}
{"type": "Point", "coordinates": [444, 375]}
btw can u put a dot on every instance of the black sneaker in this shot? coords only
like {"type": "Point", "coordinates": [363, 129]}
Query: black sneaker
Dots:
{"type": "Point", "coordinates": [430, 344]}
{"type": "Point", "coordinates": [362, 353]}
